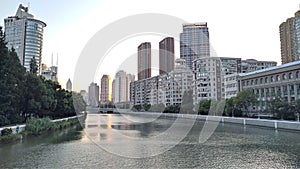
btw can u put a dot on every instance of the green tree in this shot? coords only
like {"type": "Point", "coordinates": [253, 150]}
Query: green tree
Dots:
{"type": "Point", "coordinates": [11, 83]}
{"type": "Point", "coordinates": [146, 106]}
{"type": "Point", "coordinates": [244, 100]}
{"type": "Point", "coordinates": [172, 108]}
{"type": "Point", "coordinates": [277, 106]}
{"type": "Point", "coordinates": [204, 107]}
{"type": "Point", "coordinates": [33, 66]}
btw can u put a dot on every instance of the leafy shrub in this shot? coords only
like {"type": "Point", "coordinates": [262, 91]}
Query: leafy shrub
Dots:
{"type": "Point", "coordinates": [37, 126]}
{"type": "Point", "coordinates": [9, 138]}
{"type": "Point", "coordinates": [6, 132]}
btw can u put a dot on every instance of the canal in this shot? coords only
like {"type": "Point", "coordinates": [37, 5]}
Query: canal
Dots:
{"type": "Point", "coordinates": [118, 141]}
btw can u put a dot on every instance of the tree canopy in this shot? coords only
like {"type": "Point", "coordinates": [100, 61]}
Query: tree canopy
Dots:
{"type": "Point", "coordinates": [26, 94]}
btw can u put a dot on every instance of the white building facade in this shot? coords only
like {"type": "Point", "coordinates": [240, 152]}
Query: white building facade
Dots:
{"type": "Point", "coordinates": [25, 35]}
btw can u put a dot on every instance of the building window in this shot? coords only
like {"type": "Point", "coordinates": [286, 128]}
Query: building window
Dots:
{"type": "Point", "coordinates": [297, 74]}
{"type": "Point", "coordinates": [256, 81]}
{"type": "Point", "coordinates": [261, 80]}
{"type": "Point", "coordinates": [272, 79]}
{"type": "Point", "coordinates": [266, 80]}
{"type": "Point", "coordinates": [291, 76]}
{"type": "Point", "coordinates": [284, 77]}
{"type": "Point", "coordinates": [277, 78]}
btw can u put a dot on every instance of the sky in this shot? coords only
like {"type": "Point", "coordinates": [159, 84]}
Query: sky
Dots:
{"type": "Point", "coordinates": [247, 29]}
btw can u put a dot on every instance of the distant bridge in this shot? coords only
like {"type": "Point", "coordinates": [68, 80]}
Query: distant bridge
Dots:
{"type": "Point", "coordinates": [107, 110]}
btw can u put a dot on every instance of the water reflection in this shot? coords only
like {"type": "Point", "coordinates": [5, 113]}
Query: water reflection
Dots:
{"type": "Point", "coordinates": [230, 146]}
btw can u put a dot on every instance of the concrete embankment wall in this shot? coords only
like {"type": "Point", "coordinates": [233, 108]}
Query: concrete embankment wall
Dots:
{"type": "Point", "coordinates": [276, 124]}
{"type": "Point", "coordinates": [23, 126]}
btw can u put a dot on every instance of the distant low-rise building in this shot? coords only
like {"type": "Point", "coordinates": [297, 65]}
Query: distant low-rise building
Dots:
{"type": "Point", "coordinates": [251, 65]}
{"type": "Point", "coordinates": [49, 73]}
{"type": "Point", "coordinates": [283, 80]}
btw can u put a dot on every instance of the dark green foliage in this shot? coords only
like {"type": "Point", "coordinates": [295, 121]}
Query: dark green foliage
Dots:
{"type": "Point", "coordinates": [11, 84]}
{"type": "Point", "coordinates": [244, 100]}
{"type": "Point", "coordinates": [136, 108]}
{"type": "Point", "coordinates": [6, 132]}
{"type": "Point", "coordinates": [25, 94]}
{"type": "Point", "coordinates": [9, 138]}
{"type": "Point", "coordinates": [282, 109]}
{"type": "Point", "coordinates": [204, 107]}
{"type": "Point", "coordinates": [37, 126]}
{"type": "Point", "coordinates": [33, 66]}
{"type": "Point", "coordinates": [146, 107]}
{"type": "Point", "coordinates": [172, 109]}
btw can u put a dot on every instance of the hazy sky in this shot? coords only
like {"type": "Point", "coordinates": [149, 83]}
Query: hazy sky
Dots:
{"type": "Point", "coordinates": [238, 28]}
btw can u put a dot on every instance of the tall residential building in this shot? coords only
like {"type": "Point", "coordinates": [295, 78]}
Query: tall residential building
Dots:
{"type": "Point", "coordinates": [290, 39]}
{"type": "Point", "coordinates": [69, 85]}
{"type": "Point", "coordinates": [121, 87]}
{"type": "Point", "coordinates": [172, 85]}
{"type": "Point", "coordinates": [144, 60]}
{"type": "Point", "coordinates": [25, 35]}
{"type": "Point", "coordinates": [209, 76]}
{"type": "Point", "coordinates": [166, 55]}
{"type": "Point", "coordinates": [167, 88]}
{"type": "Point", "coordinates": [105, 88]}
{"type": "Point", "coordinates": [129, 78]}
{"type": "Point", "coordinates": [194, 42]}
{"type": "Point", "coordinates": [144, 91]}
{"type": "Point", "coordinates": [93, 98]}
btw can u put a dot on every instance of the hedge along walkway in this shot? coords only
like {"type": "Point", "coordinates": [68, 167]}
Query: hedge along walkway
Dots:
{"type": "Point", "coordinates": [19, 128]}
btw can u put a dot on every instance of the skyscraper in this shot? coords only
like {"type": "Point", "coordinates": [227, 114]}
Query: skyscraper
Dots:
{"type": "Point", "coordinates": [166, 55]}
{"type": "Point", "coordinates": [93, 99]}
{"type": "Point", "coordinates": [144, 60]}
{"type": "Point", "coordinates": [69, 85]}
{"type": "Point", "coordinates": [25, 35]}
{"type": "Point", "coordinates": [290, 39]}
{"type": "Point", "coordinates": [105, 87]}
{"type": "Point", "coordinates": [194, 42]}
{"type": "Point", "coordinates": [121, 87]}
